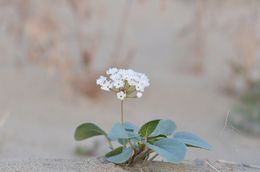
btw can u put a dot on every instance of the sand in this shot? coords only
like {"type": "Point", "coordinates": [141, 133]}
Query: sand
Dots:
{"type": "Point", "coordinates": [100, 165]}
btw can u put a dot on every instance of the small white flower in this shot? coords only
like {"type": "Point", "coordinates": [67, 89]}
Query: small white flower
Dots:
{"type": "Point", "coordinates": [121, 95]}
{"type": "Point", "coordinates": [101, 80]}
{"type": "Point", "coordinates": [119, 84]}
{"type": "Point", "coordinates": [112, 71]}
{"type": "Point", "coordinates": [106, 85]}
{"type": "Point", "coordinates": [118, 78]}
{"type": "Point", "coordinates": [105, 88]}
{"type": "Point", "coordinates": [139, 94]}
{"type": "Point", "coordinates": [115, 77]}
{"type": "Point", "coordinates": [139, 87]}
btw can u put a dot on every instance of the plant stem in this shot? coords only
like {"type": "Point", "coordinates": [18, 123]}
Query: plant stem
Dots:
{"type": "Point", "coordinates": [141, 155]}
{"type": "Point", "coordinates": [131, 144]}
{"type": "Point", "coordinates": [152, 158]}
{"type": "Point", "coordinates": [109, 143]}
{"type": "Point", "coordinates": [122, 112]}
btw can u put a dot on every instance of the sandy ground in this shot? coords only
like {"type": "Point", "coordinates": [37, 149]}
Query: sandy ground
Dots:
{"type": "Point", "coordinates": [100, 165]}
{"type": "Point", "coordinates": [44, 111]}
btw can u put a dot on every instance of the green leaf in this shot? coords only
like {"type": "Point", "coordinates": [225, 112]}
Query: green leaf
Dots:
{"type": "Point", "coordinates": [119, 132]}
{"type": "Point", "coordinates": [164, 127]}
{"type": "Point", "coordinates": [155, 138]}
{"type": "Point", "coordinates": [114, 152]}
{"type": "Point", "coordinates": [119, 155]}
{"type": "Point", "coordinates": [171, 149]}
{"type": "Point", "coordinates": [132, 131]}
{"type": "Point", "coordinates": [123, 141]}
{"type": "Point", "coordinates": [88, 130]}
{"type": "Point", "coordinates": [191, 140]}
{"type": "Point", "coordinates": [148, 128]}
{"type": "Point", "coordinates": [130, 127]}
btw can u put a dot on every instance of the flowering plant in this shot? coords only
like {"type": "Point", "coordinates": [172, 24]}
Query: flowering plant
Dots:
{"type": "Point", "coordinates": [157, 137]}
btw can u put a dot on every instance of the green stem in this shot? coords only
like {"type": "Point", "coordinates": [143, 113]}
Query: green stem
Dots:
{"type": "Point", "coordinates": [131, 144]}
{"type": "Point", "coordinates": [122, 112]}
{"type": "Point", "coordinates": [109, 143]}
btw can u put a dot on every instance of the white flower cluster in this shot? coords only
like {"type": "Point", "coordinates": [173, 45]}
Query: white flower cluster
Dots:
{"type": "Point", "coordinates": [124, 82]}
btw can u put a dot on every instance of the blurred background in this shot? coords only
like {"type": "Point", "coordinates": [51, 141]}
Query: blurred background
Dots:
{"type": "Point", "coordinates": [201, 56]}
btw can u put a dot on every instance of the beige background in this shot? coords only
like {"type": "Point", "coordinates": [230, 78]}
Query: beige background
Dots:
{"type": "Point", "coordinates": [184, 46]}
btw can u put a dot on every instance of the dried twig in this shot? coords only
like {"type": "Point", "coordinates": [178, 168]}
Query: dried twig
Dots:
{"type": "Point", "coordinates": [226, 123]}
{"type": "Point", "coordinates": [242, 164]}
{"type": "Point", "coordinates": [212, 166]}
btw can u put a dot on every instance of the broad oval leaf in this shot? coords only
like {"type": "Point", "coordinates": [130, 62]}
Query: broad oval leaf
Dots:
{"type": "Point", "coordinates": [119, 155]}
{"type": "Point", "coordinates": [134, 140]}
{"type": "Point", "coordinates": [130, 127]}
{"type": "Point", "coordinates": [148, 128]}
{"type": "Point", "coordinates": [191, 139]}
{"type": "Point", "coordinates": [117, 132]}
{"type": "Point", "coordinates": [156, 138]}
{"type": "Point", "coordinates": [120, 131]}
{"type": "Point", "coordinates": [171, 149]}
{"type": "Point", "coordinates": [123, 141]}
{"type": "Point", "coordinates": [88, 130]}
{"type": "Point", "coordinates": [132, 131]}
{"type": "Point", "coordinates": [114, 152]}
{"type": "Point", "coordinates": [164, 127]}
